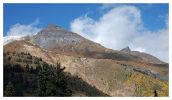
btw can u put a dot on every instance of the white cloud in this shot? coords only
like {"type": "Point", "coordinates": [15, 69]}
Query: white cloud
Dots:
{"type": "Point", "coordinates": [21, 30]}
{"type": "Point", "coordinates": [84, 25]}
{"type": "Point", "coordinates": [17, 31]}
{"type": "Point", "coordinates": [122, 26]}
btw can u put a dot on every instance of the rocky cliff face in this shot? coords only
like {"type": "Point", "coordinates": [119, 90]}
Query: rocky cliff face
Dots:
{"type": "Point", "coordinates": [61, 41]}
{"type": "Point", "coordinates": [127, 49]}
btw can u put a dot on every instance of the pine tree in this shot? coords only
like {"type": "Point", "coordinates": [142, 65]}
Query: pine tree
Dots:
{"type": "Point", "coordinates": [9, 91]}
{"type": "Point", "coordinates": [31, 70]}
{"type": "Point", "coordinates": [52, 82]}
{"type": "Point", "coordinates": [27, 67]}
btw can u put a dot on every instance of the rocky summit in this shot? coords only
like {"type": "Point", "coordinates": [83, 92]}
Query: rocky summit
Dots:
{"type": "Point", "coordinates": [103, 71]}
{"type": "Point", "coordinates": [127, 49]}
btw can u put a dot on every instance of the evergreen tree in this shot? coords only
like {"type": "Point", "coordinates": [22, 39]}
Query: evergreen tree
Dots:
{"type": "Point", "coordinates": [17, 68]}
{"type": "Point", "coordinates": [42, 81]}
{"type": "Point", "coordinates": [27, 67]}
{"type": "Point", "coordinates": [9, 91]}
{"type": "Point", "coordinates": [52, 82]}
{"type": "Point", "coordinates": [31, 70]}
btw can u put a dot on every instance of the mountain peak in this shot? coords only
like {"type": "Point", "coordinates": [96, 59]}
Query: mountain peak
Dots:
{"type": "Point", "coordinates": [51, 30]}
{"type": "Point", "coordinates": [53, 26]}
{"type": "Point", "coordinates": [126, 49]}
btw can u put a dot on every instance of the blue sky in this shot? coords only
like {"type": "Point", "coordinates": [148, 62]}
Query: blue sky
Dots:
{"type": "Point", "coordinates": [60, 14]}
{"type": "Point", "coordinates": [153, 15]}
{"type": "Point", "coordinates": [142, 27]}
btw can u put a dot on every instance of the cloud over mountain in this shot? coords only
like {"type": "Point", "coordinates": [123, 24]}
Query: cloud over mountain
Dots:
{"type": "Point", "coordinates": [21, 30]}
{"type": "Point", "coordinates": [122, 26]}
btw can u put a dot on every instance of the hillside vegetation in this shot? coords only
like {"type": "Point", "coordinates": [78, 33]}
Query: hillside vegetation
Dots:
{"type": "Point", "coordinates": [26, 75]}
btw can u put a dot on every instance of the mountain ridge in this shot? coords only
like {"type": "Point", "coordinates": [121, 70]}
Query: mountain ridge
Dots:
{"type": "Point", "coordinates": [54, 38]}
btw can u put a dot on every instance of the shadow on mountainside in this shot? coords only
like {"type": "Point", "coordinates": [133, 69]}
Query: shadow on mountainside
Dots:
{"type": "Point", "coordinates": [26, 75]}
